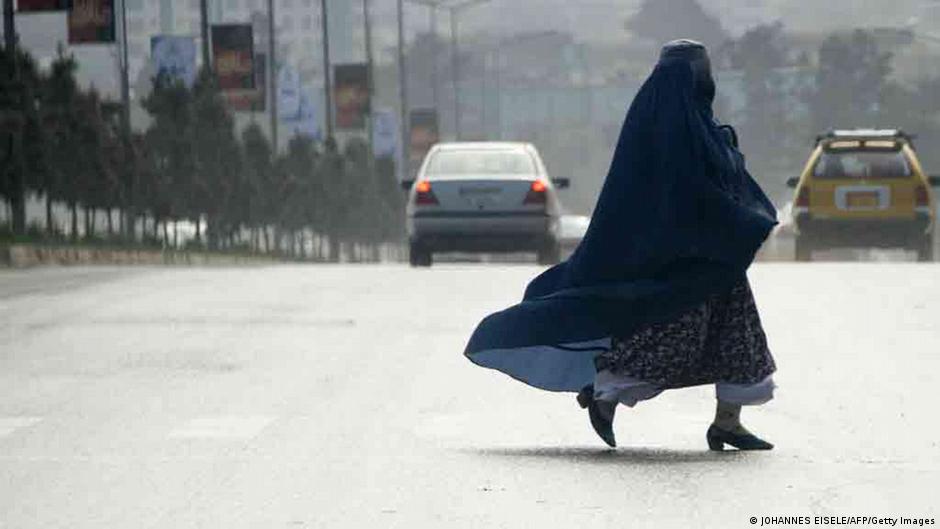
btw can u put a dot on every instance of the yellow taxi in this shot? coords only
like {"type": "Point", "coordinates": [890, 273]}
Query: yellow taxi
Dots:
{"type": "Point", "coordinates": [864, 188]}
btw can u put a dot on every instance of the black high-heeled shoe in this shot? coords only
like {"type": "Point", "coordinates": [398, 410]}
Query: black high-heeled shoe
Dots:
{"type": "Point", "coordinates": [602, 425]}
{"type": "Point", "coordinates": [718, 438]}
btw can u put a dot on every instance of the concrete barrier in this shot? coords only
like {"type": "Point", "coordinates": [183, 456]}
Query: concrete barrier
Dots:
{"type": "Point", "coordinates": [27, 255]}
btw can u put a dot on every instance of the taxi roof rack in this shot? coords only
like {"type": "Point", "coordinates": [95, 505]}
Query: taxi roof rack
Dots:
{"type": "Point", "coordinates": [865, 134]}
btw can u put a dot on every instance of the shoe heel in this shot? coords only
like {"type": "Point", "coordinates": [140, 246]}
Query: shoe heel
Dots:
{"type": "Point", "coordinates": [585, 397]}
{"type": "Point", "coordinates": [714, 444]}
{"type": "Point", "coordinates": [584, 400]}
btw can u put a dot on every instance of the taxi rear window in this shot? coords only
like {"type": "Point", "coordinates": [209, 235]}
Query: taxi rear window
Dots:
{"type": "Point", "coordinates": [860, 164]}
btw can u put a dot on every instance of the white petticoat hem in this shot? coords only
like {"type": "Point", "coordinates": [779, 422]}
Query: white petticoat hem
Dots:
{"type": "Point", "coordinates": [611, 387]}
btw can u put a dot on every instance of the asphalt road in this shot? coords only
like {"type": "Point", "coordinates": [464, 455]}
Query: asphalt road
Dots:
{"type": "Point", "coordinates": [336, 396]}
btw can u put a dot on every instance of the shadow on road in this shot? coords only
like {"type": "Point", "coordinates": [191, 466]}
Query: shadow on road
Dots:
{"type": "Point", "coordinates": [599, 455]}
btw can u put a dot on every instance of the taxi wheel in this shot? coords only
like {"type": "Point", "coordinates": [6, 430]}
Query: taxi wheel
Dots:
{"type": "Point", "coordinates": [804, 250]}
{"type": "Point", "coordinates": [925, 250]}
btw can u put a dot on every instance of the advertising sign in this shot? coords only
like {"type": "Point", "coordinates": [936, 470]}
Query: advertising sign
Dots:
{"type": "Point", "coordinates": [91, 21]}
{"type": "Point", "coordinates": [385, 133]}
{"type": "Point", "coordinates": [351, 95]}
{"type": "Point", "coordinates": [175, 57]}
{"type": "Point", "coordinates": [252, 99]}
{"type": "Point", "coordinates": [233, 56]}
{"type": "Point", "coordinates": [288, 93]}
{"type": "Point", "coordinates": [307, 123]}
{"type": "Point", "coordinates": [29, 6]}
{"type": "Point", "coordinates": [424, 133]}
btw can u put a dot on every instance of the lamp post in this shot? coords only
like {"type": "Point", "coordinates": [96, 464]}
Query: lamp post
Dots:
{"type": "Point", "coordinates": [432, 6]}
{"type": "Point", "coordinates": [454, 10]}
{"type": "Point", "coordinates": [131, 211]}
{"type": "Point", "coordinates": [272, 74]}
{"type": "Point", "coordinates": [204, 31]}
{"type": "Point", "coordinates": [327, 75]}
{"type": "Point", "coordinates": [367, 29]}
{"type": "Point", "coordinates": [17, 202]}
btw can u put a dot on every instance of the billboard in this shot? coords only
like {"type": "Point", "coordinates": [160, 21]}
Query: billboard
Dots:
{"type": "Point", "coordinates": [253, 99]}
{"type": "Point", "coordinates": [288, 93]}
{"type": "Point", "coordinates": [306, 123]}
{"type": "Point", "coordinates": [233, 56]}
{"type": "Point", "coordinates": [351, 95]}
{"type": "Point", "coordinates": [29, 6]}
{"type": "Point", "coordinates": [423, 134]}
{"type": "Point", "coordinates": [175, 57]}
{"type": "Point", "coordinates": [91, 21]}
{"type": "Point", "coordinates": [385, 134]}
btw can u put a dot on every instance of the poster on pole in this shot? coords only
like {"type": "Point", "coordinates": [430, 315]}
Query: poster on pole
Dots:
{"type": "Point", "coordinates": [307, 123]}
{"type": "Point", "coordinates": [233, 56]}
{"type": "Point", "coordinates": [288, 93]}
{"type": "Point", "coordinates": [351, 95]}
{"type": "Point", "coordinates": [175, 57]}
{"type": "Point", "coordinates": [34, 6]}
{"type": "Point", "coordinates": [424, 132]}
{"type": "Point", "coordinates": [91, 21]}
{"type": "Point", "coordinates": [385, 140]}
{"type": "Point", "coordinates": [251, 99]}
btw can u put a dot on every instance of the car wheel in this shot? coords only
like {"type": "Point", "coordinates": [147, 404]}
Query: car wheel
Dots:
{"type": "Point", "coordinates": [803, 249]}
{"type": "Point", "coordinates": [419, 255]}
{"type": "Point", "coordinates": [924, 250]}
{"type": "Point", "coordinates": [550, 254]}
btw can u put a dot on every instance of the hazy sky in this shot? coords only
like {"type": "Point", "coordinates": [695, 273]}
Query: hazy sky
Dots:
{"type": "Point", "coordinates": [604, 18]}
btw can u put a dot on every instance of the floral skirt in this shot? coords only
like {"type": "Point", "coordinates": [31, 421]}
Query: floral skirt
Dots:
{"type": "Point", "coordinates": [720, 342]}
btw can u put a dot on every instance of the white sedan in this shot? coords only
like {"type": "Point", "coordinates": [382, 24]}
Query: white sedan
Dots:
{"type": "Point", "coordinates": [483, 197]}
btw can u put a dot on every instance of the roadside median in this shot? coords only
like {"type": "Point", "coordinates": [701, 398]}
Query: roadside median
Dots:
{"type": "Point", "coordinates": [25, 255]}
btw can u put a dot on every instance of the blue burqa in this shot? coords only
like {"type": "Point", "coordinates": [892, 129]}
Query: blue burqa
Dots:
{"type": "Point", "coordinates": [679, 219]}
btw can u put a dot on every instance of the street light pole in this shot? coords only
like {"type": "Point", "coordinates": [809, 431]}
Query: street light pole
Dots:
{"type": "Point", "coordinates": [455, 70]}
{"type": "Point", "coordinates": [131, 211]}
{"type": "Point", "coordinates": [9, 26]}
{"type": "Point", "coordinates": [327, 76]}
{"type": "Point", "coordinates": [435, 88]}
{"type": "Point", "coordinates": [204, 31]}
{"type": "Point", "coordinates": [272, 73]}
{"type": "Point", "coordinates": [18, 199]}
{"type": "Point", "coordinates": [367, 30]}
{"type": "Point", "coordinates": [402, 90]}
{"type": "Point", "coordinates": [455, 10]}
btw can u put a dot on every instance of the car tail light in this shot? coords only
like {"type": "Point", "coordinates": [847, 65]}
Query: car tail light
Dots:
{"type": "Point", "coordinates": [802, 198]}
{"type": "Point", "coordinates": [920, 196]}
{"type": "Point", "coordinates": [538, 193]}
{"type": "Point", "coordinates": [423, 194]}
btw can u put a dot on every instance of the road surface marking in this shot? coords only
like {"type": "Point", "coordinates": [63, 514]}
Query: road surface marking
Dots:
{"type": "Point", "coordinates": [222, 428]}
{"type": "Point", "coordinates": [8, 425]}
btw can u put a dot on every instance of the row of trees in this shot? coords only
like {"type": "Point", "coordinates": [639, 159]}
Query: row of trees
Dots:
{"type": "Point", "coordinates": [794, 87]}
{"type": "Point", "coordinates": [848, 82]}
{"type": "Point", "coordinates": [65, 144]}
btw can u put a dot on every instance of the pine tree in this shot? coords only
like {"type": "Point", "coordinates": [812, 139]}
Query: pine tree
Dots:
{"type": "Point", "coordinates": [21, 134]}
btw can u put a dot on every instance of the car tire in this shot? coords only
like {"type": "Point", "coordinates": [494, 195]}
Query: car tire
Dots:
{"type": "Point", "coordinates": [420, 256]}
{"type": "Point", "coordinates": [550, 254]}
{"type": "Point", "coordinates": [803, 249]}
{"type": "Point", "coordinates": [924, 249]}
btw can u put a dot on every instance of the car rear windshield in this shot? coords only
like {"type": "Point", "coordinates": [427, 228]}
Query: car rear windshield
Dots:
{"type": "Point", "coordinates": [481, 162]}
{"type": "Point", "coordinates": [848, 164]}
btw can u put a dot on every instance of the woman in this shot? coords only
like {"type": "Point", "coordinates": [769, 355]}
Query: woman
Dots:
{"type": "Point", "coordinates": [656, 295]}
